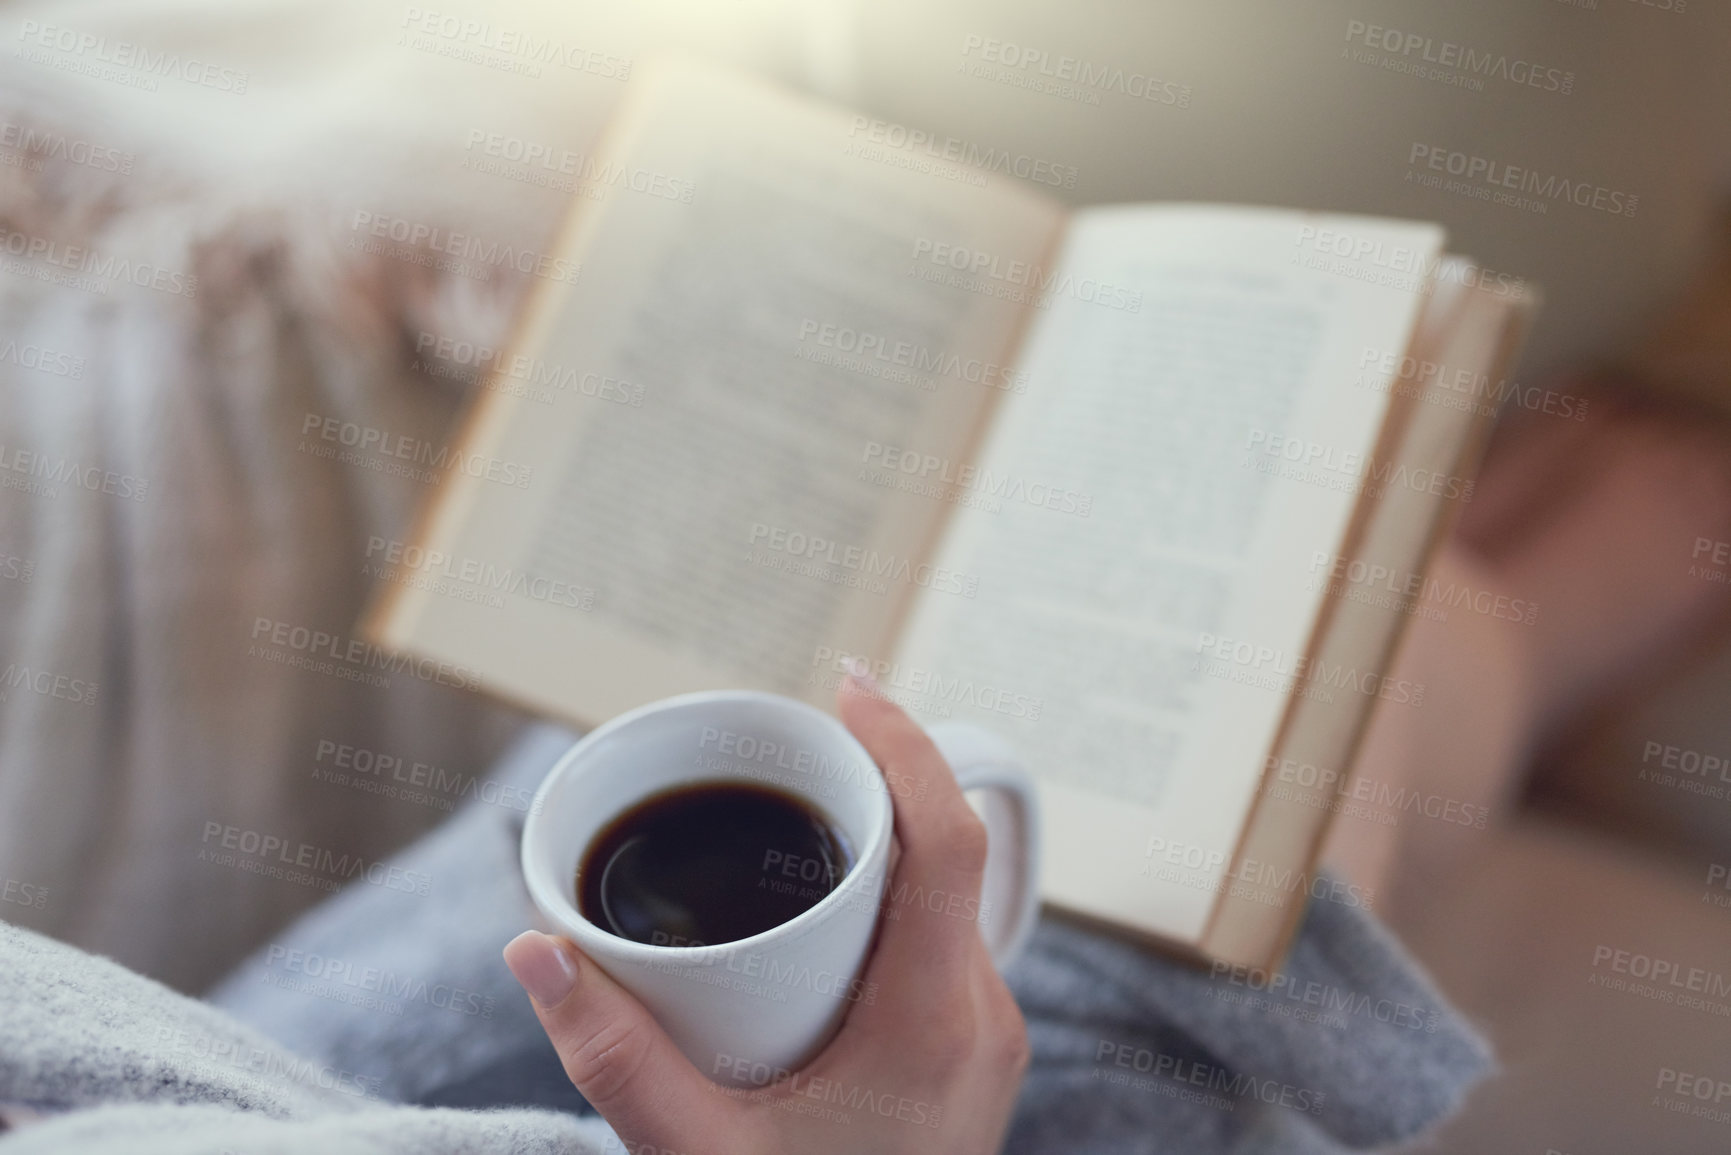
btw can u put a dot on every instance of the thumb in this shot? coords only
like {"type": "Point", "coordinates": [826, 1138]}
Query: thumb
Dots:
{"type": "Point", "coordinates": [613, 1051]}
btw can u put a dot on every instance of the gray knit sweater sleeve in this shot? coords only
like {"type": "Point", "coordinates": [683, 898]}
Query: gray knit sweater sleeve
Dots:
{"type": "Point", "coordinates": [120, 1062]}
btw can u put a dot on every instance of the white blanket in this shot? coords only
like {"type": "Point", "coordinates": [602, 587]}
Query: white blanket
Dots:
{"type": "Point", "coordinates": [171, 539]}
{"type": "Point", "coordinates": [150, 727]}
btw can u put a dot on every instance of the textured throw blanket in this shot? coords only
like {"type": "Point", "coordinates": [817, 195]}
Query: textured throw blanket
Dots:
{"type": "Point", "coordinates": [388, 996]}
{"type": "Point", "coordinates": [185, 526]}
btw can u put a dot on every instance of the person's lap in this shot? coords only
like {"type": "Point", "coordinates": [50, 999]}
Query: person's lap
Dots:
{"type": "Point", "coordinates": [1126, 1044]}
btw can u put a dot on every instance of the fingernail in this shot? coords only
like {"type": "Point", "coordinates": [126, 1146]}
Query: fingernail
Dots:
{"type": "Point", "coordinates": [860, 678]}
{"type": "Point", "coordinates": [544, 967]}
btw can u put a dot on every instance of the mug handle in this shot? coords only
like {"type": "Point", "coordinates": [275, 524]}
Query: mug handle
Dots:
{"type": "Point", "coordinates": [1010, 891]}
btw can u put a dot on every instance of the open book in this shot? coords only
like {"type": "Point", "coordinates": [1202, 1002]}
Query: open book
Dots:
{"type": "Point", "coordinates": [1104, 481]}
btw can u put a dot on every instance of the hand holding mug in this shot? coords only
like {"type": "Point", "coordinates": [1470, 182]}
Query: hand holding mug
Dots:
{"type": "Point", "coordinates": [930, 1062]}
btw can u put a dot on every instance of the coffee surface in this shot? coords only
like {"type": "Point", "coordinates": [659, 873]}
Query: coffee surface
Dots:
{"type": "Point", "coordinates": [709, 863]}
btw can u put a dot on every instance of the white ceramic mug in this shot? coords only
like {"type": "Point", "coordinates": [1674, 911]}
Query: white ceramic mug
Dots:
{"type": "Point", "coordinates": [744, 1010]}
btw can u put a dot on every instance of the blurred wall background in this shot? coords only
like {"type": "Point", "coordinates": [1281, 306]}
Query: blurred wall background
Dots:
{"type": "Point", "coordinates": [1278, 112]}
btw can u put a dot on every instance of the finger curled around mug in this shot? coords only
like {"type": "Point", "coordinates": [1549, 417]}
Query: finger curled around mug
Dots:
{"type": "Point", "coordinates": [932, 905]}
{"type": "Point", "coordinates": [613, 1050]}
{"type": "Point", "coordinates": [933, 819]}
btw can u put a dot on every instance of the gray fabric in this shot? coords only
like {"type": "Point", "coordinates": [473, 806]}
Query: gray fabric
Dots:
{"type": "Point", "coordinates": [1360, 1045]}
{"type": "Point", "coordinates": [82, 1031]}
{"type": "Point", "coordinates": [1354, 1024]}
{"type": "Point", "coordinates": [1131, 1052]}
{"type": "Point", "coordinates": [122, 1063]}
{"type": "Point", "coordinates": [367, 942]}
{"type": "Point", "coordinates": [205, 1130]}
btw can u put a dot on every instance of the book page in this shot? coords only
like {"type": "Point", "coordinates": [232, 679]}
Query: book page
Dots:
{"type": "Point", "coordinates": [1139, 647]}
{"type": "Point", "coordinates": [1466, 333]}
{"type": "Point", "coordinates": [748, 338]}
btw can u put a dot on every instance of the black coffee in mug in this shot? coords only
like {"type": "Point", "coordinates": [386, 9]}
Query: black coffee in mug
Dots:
{"type": "Point", "coordinates": [710, 862]}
